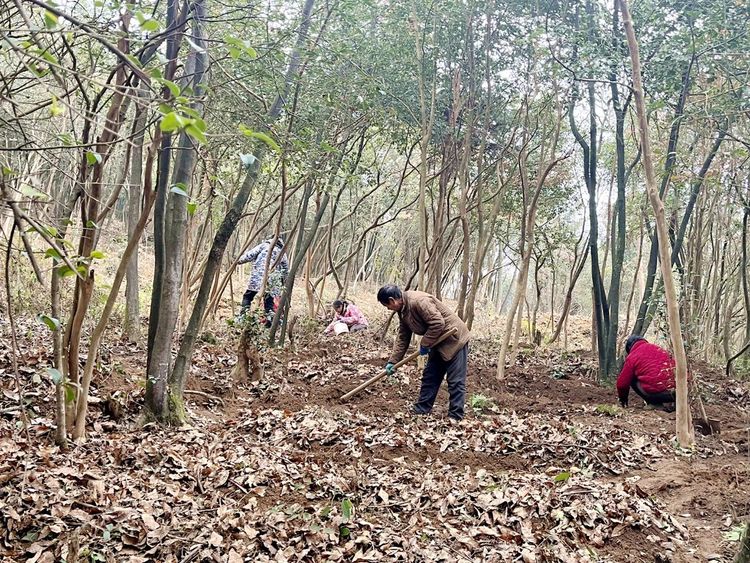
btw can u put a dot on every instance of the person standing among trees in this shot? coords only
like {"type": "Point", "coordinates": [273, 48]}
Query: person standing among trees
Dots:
{"type": "Point", "coordinates": [424, 314]}
{"type": "Point", "coordinates": [649, 371]}
{"type": "Point", "coordinates": [279, 265]}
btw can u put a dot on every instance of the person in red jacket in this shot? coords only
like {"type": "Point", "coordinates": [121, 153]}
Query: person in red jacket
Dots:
{"type": "Point", "coordinates": [649, 371]}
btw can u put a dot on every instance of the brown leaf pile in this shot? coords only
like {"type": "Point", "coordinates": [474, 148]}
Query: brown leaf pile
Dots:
{"type": "Point", "coordinates": [272, 488]}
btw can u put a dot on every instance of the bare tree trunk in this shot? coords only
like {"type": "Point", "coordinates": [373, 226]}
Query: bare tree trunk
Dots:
{"type": "Point", "coordinates": [79, 430]}
{"type": "Point", "coordinates": [300, 250]}
{"type": "Point", "coordinates": [132, 324]}
{"type": "Point", "coordinates": [427, 117]}
{"type": "Point", "coordinates": [548, 160]}
{"type": "Point", "coordinates": [636, 271]}
{"type": "Point", "coordinates": [575, 273]}
{"type": "Point", "coordinates": [163, 401]}
{"type": "Point", "coordinates": [684, 424]}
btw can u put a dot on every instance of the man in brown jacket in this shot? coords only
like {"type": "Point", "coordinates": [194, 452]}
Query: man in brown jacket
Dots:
{"type": "Point", "coordinates": [423, 314]}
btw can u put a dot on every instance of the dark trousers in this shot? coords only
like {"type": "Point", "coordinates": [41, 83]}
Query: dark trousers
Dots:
{"type": "Point", "coordinates": [454, 370]}
{"type": "Point", "coordinates": [657, 399]}
{"type": "Point", "coordinates": [248, 297]}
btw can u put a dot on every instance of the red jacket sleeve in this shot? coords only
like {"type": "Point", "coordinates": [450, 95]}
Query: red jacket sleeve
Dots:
{"type": "Point", "coordinates": [625, 379]}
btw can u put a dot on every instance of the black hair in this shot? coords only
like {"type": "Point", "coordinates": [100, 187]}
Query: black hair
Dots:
{"type": "Point", "coordinates": [339, 303]}
{"type": "Point", "coordinates": [630, 342]}
{"type": "Point", "coordinates": [388, 292]}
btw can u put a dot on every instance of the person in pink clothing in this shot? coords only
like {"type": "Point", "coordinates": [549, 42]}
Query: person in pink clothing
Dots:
{"type": "Point", "coordinates": [349, 314]}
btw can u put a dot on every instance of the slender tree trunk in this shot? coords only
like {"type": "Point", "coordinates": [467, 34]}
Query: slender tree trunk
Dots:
{"type": "Point", "coordinates": [178, 377]}
{"type": "Point", "coordinates": [300, 250]}
{"type": "Point", "coordinates": [641, 322]}
{"type": "Point", "coordinates": [132, 328]}
{"type": "Point", "coordinates": [163, 402]}
{"type": "Point", "coordinates": [79, 430]}
{"type": "Point", "coordinates": [743, 271]}
{"type": "Point", "coordinates": [546, 164]}
{"type": "Point", "coordinates": [162, 181]}
{"type": "Point", "coordinates": [575, 272]}
{"type": "Point", "coordinates": [684, 423]}
{"type": "Point", "coordinates": [618, 234]}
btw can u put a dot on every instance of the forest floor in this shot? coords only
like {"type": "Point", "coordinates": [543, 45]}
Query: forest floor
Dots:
{"type": "Point", "coordinates": [282, 470]}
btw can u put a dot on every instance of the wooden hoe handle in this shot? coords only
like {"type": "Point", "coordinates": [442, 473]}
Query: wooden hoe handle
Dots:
{"type": "Point", "coordinates": [406, 360]}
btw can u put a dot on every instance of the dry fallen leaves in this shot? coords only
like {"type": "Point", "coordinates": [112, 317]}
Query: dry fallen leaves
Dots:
{"type": "Point", "coordinates": [270, 485]}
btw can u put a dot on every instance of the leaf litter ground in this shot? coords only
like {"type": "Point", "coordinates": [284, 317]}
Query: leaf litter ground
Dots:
{"type": "Point", "coordinates": [283, 471]}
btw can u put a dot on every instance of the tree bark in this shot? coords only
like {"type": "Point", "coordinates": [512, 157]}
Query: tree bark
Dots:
{"type": "Point", "coordinates": [132, 328]}
{"type": "Point", "coordinates": [162, 181]}
{"type": "Point", "coordinates": [81, 407]}
{"type": "Point", "coordinates": [178, 377]}
{"type": "Point", "coordinates": [300, 250]}
{"type": "Point", "coordinates": [641, 321]}
{"type": "Point", "coordinates": [162, 401]}
{"type": "Point", "coordinates": [685, 435]}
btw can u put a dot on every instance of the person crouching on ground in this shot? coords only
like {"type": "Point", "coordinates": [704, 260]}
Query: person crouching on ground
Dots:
{"type": "Point", "coordinates": [349, 314]}
{"type": "Point", "coordinates": [649, 371]}
{"type": "Point", "coordinates": [423, 314]}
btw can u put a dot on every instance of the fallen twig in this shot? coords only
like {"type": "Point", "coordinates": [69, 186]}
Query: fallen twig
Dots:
{"type": "Point", "coordinates": [204, 395]}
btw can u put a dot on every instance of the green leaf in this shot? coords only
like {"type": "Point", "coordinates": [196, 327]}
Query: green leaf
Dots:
{"type": "Point", "coordinates": [192, 207]}
{"type": "Point", "coordinates": [93, 157]}
{"type": "Point", "coordinates": [70, 394]}
{"type": "Point", "coordinates": [347, 508]}
{"type": "Point", "coordinates": [150, 25]}
{"type": "Point", "coordinates": [91, 224]}
{"type": "Point", "coordinates": [7, 171]}
{"type": "Point", "coordinates": [198, 122]}
{"type": "Point", "coordinates": [192, 113]}
{"type": "Point", "coordinates": [65, 271]}
{"type": "Point", "coordinates": [174, 89]}
{"type": "Point", "coordinates": [180, 189]}
{"type": "Point", "coordinates": [560, 477]}
{"type": "Point", "coordinates": [50, 20]}
{"type": "Point", "coordinates": [97, 254]}
{"type": "Point", "coordinates": [172, 122]}
{"type": "Point", "coordinates": [66, 139]}
{"type": "Point", "coordinates": [135, 61]}
{"type": "Point", "coordinates": [56, 109]}
{"type": "Point", "coordinates": [237, 47]}
{"type": "Point", "coordinates": [49, 57]}
{"type": "Point", "coordinates": [53, 253]}
{"type": "Point", "coordinates": [56, 375]}
{"type": "Point", "coordinates": [265, 137]}
{"type": "Point", "coordinates": [196, 134]}
{"type": "Point", "coordinates": [51, 322]}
